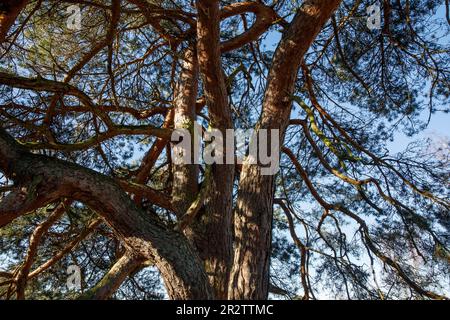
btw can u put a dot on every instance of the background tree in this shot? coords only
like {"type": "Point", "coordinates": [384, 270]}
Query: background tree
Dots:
{"type": "Point", "coordinates": [87, 177]}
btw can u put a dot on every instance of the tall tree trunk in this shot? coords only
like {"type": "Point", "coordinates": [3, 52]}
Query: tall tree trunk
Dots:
{"type": "Point", "coordinates": [253, 213]}
{"type": "Point", "coordinates": [213, 228]}
{"type": "Point", "coordinates": [207, 226]}
{"type": "Point", "coordinates": [185, 176]}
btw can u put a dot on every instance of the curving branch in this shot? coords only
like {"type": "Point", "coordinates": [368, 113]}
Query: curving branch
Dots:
{"type": "Point", "coordinates": [265, 17]}
{"type": "Point", "coordinates": [35, 239]}
{"type": "Point", "coordinates": [145, 234]}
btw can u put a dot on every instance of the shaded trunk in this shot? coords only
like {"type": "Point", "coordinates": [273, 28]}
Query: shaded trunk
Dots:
{"type": "Point", "coordinates": [213, 229]}
{"type": "Point", "coordinates": [210, 229]}
{"type": "Point", "coordinates": [253, 227]}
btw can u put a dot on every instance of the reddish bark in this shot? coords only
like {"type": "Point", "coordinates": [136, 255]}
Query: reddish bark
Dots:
{"type": "Point", "coordinates": [253, 214]}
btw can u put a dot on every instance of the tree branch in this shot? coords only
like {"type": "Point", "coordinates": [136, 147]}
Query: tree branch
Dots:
{"type": "Point", "coordinates": [112, 280]}
{"type": "Point", "coordinates": [145, 234]}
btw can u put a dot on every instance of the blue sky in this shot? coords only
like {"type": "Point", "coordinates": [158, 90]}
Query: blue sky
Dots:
{"type": "Point", "coordinates": [439, 125]}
